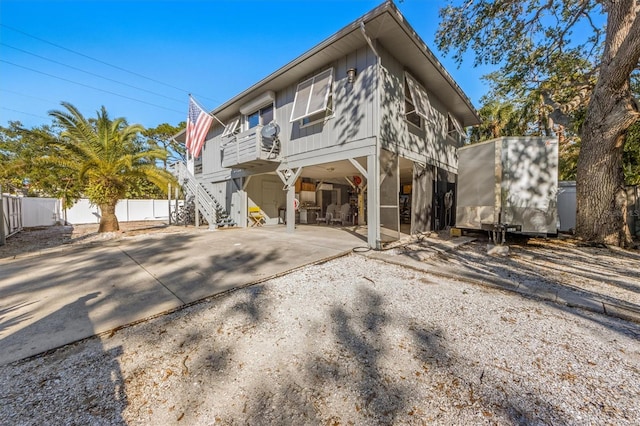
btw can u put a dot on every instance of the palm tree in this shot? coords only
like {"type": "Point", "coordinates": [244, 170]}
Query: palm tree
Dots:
{"type": "Point", "coordinates": [106, 157]}
{"type": "Point", "coordinates": [498, 119]}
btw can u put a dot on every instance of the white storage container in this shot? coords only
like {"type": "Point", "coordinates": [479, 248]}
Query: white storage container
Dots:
{"type": "Point", "coordinates": [509, 183]}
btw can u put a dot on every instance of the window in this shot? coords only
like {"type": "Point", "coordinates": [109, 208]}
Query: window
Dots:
{"type": "Point", "coordinates": [410, 110]}
{"type": "Point", "coordinates": [312, 96]}
{"type": "Point", "coordinates": [260, 117]}
{"type": "Point", "coordinates": [416, 105]}
{"type": "Point", "coordinates": [231, 128]}
{"type": "Point", "coordinates": [318, 117]}
{"type": "Point", "coordinates": [454, 129]}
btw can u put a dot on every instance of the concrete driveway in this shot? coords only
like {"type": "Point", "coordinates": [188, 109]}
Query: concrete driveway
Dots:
{"type": "Point", "coordinates": [65, 295]}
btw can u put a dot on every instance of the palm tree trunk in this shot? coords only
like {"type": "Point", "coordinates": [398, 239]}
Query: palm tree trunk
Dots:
{"type": "Point", "coordinates": [108, 219]}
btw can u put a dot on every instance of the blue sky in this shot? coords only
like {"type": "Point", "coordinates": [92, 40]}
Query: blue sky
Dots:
{"type": "Point", "coordinates": [141, 59]}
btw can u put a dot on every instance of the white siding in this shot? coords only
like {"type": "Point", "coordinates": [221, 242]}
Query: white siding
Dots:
{"type": "Point", "coordinates": [266, 192]}
{"type": "Point", "coordinates": [354, 119]}
{"type": "Point", "coordinates": [429, 144]}
{"type": "Point", "coordinates": [353, 106]}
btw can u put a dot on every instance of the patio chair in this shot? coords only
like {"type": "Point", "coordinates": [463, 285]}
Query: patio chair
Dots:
{"type": "Point", "coordinates": [256, 216]}
{"type": "Point", "coordinates": [342, 215]}
{"type": "Point", "coordinates": [328, 216]}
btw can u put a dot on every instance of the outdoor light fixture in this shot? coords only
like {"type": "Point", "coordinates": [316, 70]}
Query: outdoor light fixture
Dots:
{"type": "Point", "coordinates": [351, 75]}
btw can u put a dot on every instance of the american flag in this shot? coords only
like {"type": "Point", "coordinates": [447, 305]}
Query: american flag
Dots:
{"type": "Point", "coordinates": [198, 123]}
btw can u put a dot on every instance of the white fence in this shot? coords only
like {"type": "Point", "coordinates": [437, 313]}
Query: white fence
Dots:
{"type": "Point", "coordinates": [40, 211]}
{"type": "Point", "coordinates": [126, 211]}
{"type": "Point", "coordinates": [567, 207]}
{"type": "Point", "coordinates": [10, 215]}
{"type": "Point", "coordinates": [31, 212]}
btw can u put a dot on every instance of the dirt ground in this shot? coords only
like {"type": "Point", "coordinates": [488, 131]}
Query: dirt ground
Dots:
{"type": "Point", "coordinates": [33, 240]}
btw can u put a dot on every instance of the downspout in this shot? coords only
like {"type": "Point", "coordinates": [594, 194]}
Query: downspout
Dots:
{"type": "Point", "coordinates": [373, 165]}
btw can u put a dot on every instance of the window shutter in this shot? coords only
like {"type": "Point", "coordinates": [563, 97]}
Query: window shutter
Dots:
{"type": "Point", "coordinates": [419, 97]}
{"type": "Point", "coordinates": [231, 127]}
{"type": "Point", "coordinates": [456, 126]}
{"type": "Point", "coordinates": [312, 95]}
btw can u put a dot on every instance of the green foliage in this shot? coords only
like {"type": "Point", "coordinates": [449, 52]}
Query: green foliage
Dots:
{"type": "Point", "coordinates": [161, 137]}
{"type": "Point", "coordinates": [21, 170]}
{"type": "Point", "coordinates": [142, 188]}
{"type": "Point", "coordinates": [568, 160]}
{"type": "Point", "coordinates": [631, 156]}
{"type": "Point", "coordinates": [10, 177]}
{"type": "Point", "coordinates": [547, 54]}
{"type": "Point", "coordinates": [105, 157]}
{"type": "Point", "coordinates": [531, 41]}
{"type": "Point", "coordinates": [498, 119]}
{"type": "Point", "coordinates": [98, 158]}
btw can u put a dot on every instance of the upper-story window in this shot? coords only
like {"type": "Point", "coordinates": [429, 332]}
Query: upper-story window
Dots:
{"type": "Point", "coordinates": [416, 101]}
{"type": "Point", "coordinates": [313, 98]}
{"type": "Point", "coordinates": [454, 129]}
{"type": "Point", "coordinates": [410, 113]}
{"type": "Point", "coordinates": [258, 111]}
{"type": "Point", "coordinates": [320, 116]}
{"type": "Point", "coordinates": [260, 117]}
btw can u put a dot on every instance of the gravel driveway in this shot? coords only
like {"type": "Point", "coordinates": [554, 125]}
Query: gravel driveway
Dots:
{"type": "Point", "coordinates": [350, 341]}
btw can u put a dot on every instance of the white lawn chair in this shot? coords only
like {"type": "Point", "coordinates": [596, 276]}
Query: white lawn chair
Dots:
{"type": "Point", "coordinates": [342, 215]}
{"type": "Point", "coordinates": [328, 216]}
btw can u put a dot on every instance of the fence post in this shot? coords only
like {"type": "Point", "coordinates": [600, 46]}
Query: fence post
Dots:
{"type": "Point", "coordinates": [169, 201]}
{"type": "Point", "coordinates": [175, 203]}
{"type": "Point", "coordinates": [2, 237]}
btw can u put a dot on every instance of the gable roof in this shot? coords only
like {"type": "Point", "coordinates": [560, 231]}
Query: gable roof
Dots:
{"type": "Point", "coordinates": [392, 31]}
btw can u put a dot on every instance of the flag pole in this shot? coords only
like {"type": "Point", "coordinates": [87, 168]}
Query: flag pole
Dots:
{"type": "Point", "coordinates": [213, 115]}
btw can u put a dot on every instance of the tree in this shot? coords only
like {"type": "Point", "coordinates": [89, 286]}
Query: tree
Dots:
{"type": "Point", "coordinates": [105, 156]}
{"type": "Point", "coordinates": [20, 172]}
{"type": "Point", "coordinates": [9, 179]}
{"type": "Point", "coordinates": [533, 42]}
{"type": "Point", "coordinates": [497, 119]}
{"type": "Point", "coordinates": [162, 137]}
{"type": "Point", "coordinates": [631, 156]}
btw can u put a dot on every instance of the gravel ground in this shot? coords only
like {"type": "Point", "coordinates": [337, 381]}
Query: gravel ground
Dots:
{"type": "Point", "coordinates": [355, 341]}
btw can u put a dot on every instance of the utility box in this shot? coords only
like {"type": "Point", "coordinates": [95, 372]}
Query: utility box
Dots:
{"type": "Point", "coordinates": [509, 184]}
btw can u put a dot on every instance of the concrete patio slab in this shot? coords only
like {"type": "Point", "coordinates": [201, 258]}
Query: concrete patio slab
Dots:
{"type": "Point", "coordinates": [64, 295]}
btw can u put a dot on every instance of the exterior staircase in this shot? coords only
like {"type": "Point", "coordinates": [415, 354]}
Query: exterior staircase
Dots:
{"type": "Point", "coordinates": [208, 206]}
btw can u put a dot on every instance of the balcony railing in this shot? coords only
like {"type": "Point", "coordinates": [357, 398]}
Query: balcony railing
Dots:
{"type": "Point", "coordinates": [250, 149]}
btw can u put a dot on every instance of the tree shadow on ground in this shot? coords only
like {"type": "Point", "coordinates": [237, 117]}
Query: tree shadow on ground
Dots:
{"type": "Point", "coordinates": [208, 353]}
{"type": "Point", "coordinates": [98, 399]}
{"type": "Point", "coordinates": [37, 239]}
{"type": "Point", "coordinates": [363, 338]}
{"type": "Point", "coordinates": [13, 320]}
{"type": "Point", "coordinates": [358, 336]}
{"type": "Point", "coordinates": [490, 397]}
{"type": "Point", "coordinates": [135, 280]}
{"type": "Point", "coordinates": [589, 277]}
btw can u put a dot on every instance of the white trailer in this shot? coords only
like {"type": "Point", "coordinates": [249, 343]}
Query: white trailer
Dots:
{"type": "Point", "coordinates": [509, 184]}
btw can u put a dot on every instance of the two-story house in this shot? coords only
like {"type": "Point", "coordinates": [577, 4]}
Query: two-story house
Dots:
{"type": "Point", "coordinates": [369, 118]}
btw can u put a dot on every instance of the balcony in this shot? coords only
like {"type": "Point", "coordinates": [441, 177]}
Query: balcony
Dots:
{"type": "Point", "coordinates": [250, 149]}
